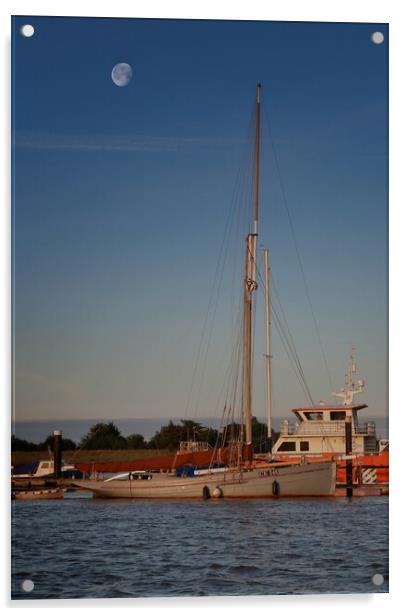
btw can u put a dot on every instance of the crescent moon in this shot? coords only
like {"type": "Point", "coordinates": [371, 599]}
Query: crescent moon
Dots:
{"type": "Point", "coordinates": [122, 74]}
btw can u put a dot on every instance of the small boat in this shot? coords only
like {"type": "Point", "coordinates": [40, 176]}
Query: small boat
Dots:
{"type": "Point", "coordinates": [242, 477]}
{"type": "Point", "coordinates": [51, 494]}
{"type": "Point", "coordinates": [44, 469]}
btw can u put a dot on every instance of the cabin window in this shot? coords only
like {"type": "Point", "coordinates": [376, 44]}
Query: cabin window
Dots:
{"type": "Point", "coordinates": [312, 415]}
{"type": "Point", "coordinates": [287, 446]}
{"type": "Point", "coordinates": [45, 465]}
{"type": "Point", "coordinates": [304, 445]}
{"type": "Point", "coordinates": [337, 415]}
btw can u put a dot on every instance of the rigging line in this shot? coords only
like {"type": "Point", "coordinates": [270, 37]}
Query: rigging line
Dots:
{"type": "Point", "coordinates": [221, 433]}
{"type": "Point", "coordinates": [235, 385]}
{"type": "Point", "coordinates": [254, 320]}
{"type": "Point", "coordinates": [288, 346]}
{"type": "Point", "coordinates": [245, 191]}
{"type": "Point", "coordinates": [290, 352]}
{"type": "Point", "coordinates": [238, 228]}
{"type": "Point", "coordinates": [237, 358]}
{"type": "Point", "coordinates": [228, 226]}
{"type": "Point", "coordinates": [285, 320]}
{"type": "Point", "coordinates": [290, 343]}
{"type": "Point", "coordinates": [217, 293]}
{"type": "Point", "coordinates": [205, 323]}
{"type": "Point", "coordinates": [231, 380]}
{"type": "Point", "coordinates": [297, 370]}
{"type": "Point", "coordinates": [295, 365]}
{"type": "Point", "coordinates": [210, 333]}
{"type": "Point", "coordinates": [234, 375]}
{"type": "Point", "coordinates": [285, 202]}
{"type": "Point", "coordinates": [240, 183]}
{"type": "Point", "coordinates": [277, 297]}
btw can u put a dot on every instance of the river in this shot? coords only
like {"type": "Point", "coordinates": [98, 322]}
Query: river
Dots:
{"type": "Point", "coordinates": [81, 547]}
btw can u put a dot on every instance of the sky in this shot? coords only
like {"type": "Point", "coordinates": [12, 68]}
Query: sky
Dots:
{"type": "Point", "coordinates": [121, 197]}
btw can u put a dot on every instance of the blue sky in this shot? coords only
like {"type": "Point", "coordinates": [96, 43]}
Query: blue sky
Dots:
{"type": "Point", "coordinates": [121, 197]}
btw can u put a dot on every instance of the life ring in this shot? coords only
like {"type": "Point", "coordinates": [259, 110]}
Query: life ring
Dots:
{"type": "Point", "coordinates": [206, 493]}
{"type": "Point", "coordinates": [276, 489]}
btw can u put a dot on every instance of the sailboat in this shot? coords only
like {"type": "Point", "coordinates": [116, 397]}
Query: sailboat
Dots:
{"type": "Point", "coordinates": [243, 478]}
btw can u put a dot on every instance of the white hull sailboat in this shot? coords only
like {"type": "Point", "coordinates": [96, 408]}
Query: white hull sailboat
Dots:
{"type": "Point", "coordinates": [264, 482]}
{"type": "Point", "coordinates": [242, 478]}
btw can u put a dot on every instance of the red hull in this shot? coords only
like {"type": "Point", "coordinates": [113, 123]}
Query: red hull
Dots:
{"type": "Point", "coordinates": [378, 463]}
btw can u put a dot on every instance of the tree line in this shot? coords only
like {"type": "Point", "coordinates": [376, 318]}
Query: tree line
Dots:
{"type": "Point", "coordinates": [108, 436]}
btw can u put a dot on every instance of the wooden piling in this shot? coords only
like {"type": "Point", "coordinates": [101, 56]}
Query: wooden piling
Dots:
{"type": "Point", "coordinates": [57, 454]}
{"type": "Point", "coordinates": [348, 451]}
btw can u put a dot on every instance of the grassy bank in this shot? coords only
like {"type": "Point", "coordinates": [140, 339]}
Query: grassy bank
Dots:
{"type": "Point", "coordinates": [96, 455]}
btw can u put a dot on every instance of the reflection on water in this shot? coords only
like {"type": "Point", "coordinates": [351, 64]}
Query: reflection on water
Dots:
{"type": "Point", "coordinates": [83, 547]}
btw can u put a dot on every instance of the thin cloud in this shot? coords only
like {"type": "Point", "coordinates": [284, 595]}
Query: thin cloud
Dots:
{"type": "Point", "coordinates": [117, 143]}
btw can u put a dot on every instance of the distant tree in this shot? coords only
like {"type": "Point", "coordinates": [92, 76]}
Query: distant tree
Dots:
{"type": "Point", "coordinates": [103, 436]}
{"type": "Point", "coordinates": [232, 432]}
{"type": "Point", "coordinates": [170, 435]}
{"type": "Point", "coordinates": [210, 435]}
{"type": "Point", "coordinates": [136, 441]}
{"type": "Point", "coordinates": [259, 435]}
{"type": "Point", "coordinates": [19, 444]}
{"type": "Point", "coordinates": [66, 443]}
{"type": "Point", "coordinates": [275, 436]}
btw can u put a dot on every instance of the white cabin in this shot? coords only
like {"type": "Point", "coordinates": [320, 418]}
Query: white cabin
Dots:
{"type": "Point", "coordinates": [44, 468]}
{"type": "Point", "coordinates": [321, 430]}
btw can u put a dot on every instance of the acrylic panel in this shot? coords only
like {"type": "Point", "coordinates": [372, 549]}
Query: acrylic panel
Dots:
{"type": "Point", "coordinates": [200, 370]}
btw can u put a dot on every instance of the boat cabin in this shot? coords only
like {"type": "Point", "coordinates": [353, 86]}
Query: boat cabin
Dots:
{"type": "Point", "coordinates": [321, 430]}
{"type": "Point", "coordinates": [43, 469]}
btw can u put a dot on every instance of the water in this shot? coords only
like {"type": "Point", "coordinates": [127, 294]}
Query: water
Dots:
{"type": "Point", "coordinates": [81, 547]}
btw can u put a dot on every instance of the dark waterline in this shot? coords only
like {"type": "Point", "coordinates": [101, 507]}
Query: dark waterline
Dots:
{"type": "Point", "coordinates": [81, 547]}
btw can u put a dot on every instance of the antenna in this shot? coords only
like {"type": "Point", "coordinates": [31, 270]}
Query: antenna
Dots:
{"type": "Point", "coordinates": [350, 389]}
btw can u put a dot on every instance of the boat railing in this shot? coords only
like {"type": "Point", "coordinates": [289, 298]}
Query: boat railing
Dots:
{"type": "Point", "coordinates": [368, 428]}
{"type": "Point", "coordinates": [322, 428]}
{"type": "Point", "coordinates": [326, 428]}
{"type": "Point", "coordinates": [193, 446]}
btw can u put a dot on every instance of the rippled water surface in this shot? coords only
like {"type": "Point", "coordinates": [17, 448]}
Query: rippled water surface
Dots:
{"type": "Point", "coordinates": [83, 547]}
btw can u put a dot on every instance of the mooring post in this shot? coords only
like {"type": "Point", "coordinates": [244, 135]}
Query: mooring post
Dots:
{"type": "Point", "coordinates": [57, 454]}
{"type": "Point", "coordinates": [348, 451]}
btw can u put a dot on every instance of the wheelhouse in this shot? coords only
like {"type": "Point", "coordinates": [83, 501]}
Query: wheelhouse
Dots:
{"type": "Point", "coordinates": [320, 430]}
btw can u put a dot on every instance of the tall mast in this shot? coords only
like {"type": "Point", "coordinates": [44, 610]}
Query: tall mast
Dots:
{"type": "Point", "coordinates": [250, 284]}
{"type": "Point", "coordinates": [268, 343]}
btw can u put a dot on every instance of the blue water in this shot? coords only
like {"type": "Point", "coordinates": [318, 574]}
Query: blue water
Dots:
{"type": "Point", "coordinates": [81, 547]}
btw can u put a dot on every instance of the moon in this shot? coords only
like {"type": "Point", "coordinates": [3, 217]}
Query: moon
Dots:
{"type": "Point", "coordinates": [377, 38]}
{"type": "Point", "coordinates": [27, 30]}
{"type": "Point", "coordinates": [122, 74]}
